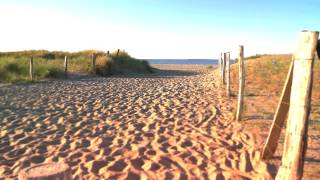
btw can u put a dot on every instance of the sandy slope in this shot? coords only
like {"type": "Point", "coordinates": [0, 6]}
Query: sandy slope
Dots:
{"type": "Point", "coordinates": [174, 124]}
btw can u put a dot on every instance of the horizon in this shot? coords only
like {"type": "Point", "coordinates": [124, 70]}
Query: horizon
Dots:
{"type": "Point", "coordinates": [156, 30]}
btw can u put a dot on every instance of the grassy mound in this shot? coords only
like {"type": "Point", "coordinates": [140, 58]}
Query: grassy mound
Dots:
{"type": "Point", "coordinates": [121, 63]}
{"type": "Point", "coordinates": [14, 66]}
{"type": "Point", "coordinates": [265, 78]}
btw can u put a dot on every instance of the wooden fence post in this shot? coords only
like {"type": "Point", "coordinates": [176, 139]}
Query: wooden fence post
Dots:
{"type": "Point", "coordinates": [228, 73]}
{"type": "Point", "coordinates": [93, 63]}
{"type": "Point", "coordinates": [241, 83]}
{"type": "Point", "coordinates": [220, 69]}
{"type": "Point", "coordinates": [57, 171]}
{"type": "Point", "coordinates": [223, 70]}
{"type": "Point", "coordinates": [300, 100]}
{"type": "Point", "coordinates": [31, 70]}
{"type": "Point", "coordinates": [66, 65]}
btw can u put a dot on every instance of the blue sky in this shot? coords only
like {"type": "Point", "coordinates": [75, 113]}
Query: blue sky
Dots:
{"type": "Point", "coordinates": [157, 28]}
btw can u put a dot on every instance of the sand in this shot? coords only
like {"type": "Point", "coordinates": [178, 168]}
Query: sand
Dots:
{"type": "Point", "coordinates": [173, 124]}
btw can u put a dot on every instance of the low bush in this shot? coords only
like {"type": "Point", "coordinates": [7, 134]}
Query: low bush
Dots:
{"type": "Point", "coordinates": [104, 65]}
{"type": "Point", "coordinates": [125, 64]}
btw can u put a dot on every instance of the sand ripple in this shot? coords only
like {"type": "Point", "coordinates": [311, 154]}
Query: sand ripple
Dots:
{"type": "Point", "coordinates": [174, 124]}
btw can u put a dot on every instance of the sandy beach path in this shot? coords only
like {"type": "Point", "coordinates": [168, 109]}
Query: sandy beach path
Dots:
{"type": "Point", "coordinates": [173, 124]}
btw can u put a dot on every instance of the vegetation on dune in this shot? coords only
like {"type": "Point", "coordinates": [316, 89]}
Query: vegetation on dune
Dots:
{"type": "Point", "coordinates": [265, 78]}
{"type": "Point", "coordinates": [124, 63]}
{"type": "Point", "coordinates": [14, 70]}
{"type": "Point", "coordinates": [121, 63]}
{"type": "Point", "coordinates": [14, 66]}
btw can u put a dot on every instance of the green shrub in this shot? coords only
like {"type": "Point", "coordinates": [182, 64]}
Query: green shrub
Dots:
{"type": "Point", "coordinates": [11, 70]}
{"type": "Point", "coordinates": [54, 72]}
{"type": "Point", "coordinates": [79, 64]}
{"type": "Point", "coordinates": [122, 63]}
{"type": "Point", "coordinates": [104, 65]}
{"type": "Point", "coordinates": [14, 68]}
{"type": "Point", "coordinates": [48, 71]}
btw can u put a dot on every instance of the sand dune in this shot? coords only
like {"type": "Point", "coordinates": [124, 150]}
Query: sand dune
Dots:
{"type": "Point", "coordinates": [174, 124]}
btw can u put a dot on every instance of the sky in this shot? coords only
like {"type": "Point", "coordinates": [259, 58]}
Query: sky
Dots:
{"type": "Point", "coordinates": [157, 28]}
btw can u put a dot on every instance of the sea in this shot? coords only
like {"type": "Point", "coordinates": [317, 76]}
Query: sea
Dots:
{"type": "Point", "coordinates": [185, 61]}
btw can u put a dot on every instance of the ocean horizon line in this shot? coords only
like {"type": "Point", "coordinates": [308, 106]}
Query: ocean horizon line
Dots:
{"type": "Point", "coordinates": [185, 61]}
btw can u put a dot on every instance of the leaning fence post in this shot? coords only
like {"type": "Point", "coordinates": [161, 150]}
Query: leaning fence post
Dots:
{"type": "Point", "coordinates": [228, 73]}
{"type": "Point", "coordinates": [31, 70]}
{"type": "Point", "coordinates": [279, 118]}
{"type": "Point", "coordinates": [93, 63]}
{"type": "Point", "coordinates": [66, 65]}
{"type": "Point", "coordinates": [118, 52]}
{"type": "Point", "coordinates": [297, 124]}
{"type": "Point", "coordinates": [241, 83]}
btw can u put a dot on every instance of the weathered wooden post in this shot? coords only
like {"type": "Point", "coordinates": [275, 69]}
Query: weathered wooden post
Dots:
{"type": "Point", "coordinates": [223, 68]}
{"type": "Point", "coordinates": [57, 171]}
{"type": "Point", "coordinates": [31, 69]}
{"type": "Point", "coordinates": [300, 100]}
{"type": "Point", "coordinates": [66, 65]}
{"type": "Point", "coordinates": [241, 83]}
{"type": "Point", "coordinates": [220, 68]}
{"type": "Point", "coordinates": [219, 64]}
{"type": "Point", "coordinates": [228, 73]}
{"type": "Point", "coordinates": [93, 63]}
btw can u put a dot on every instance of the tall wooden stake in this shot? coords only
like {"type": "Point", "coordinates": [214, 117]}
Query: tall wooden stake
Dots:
{"type": "Point", "coordinates": [66, 65]}
{"type": "Point", "coordinates": [297, 125]}
{"type": "Point", "coordinates": [219, 65]}
{"type": "Point", "coordinates": [93, 63]}
{"type": "Point", "coordinates": [223, 68]}
{"type": "Point", "coordinates": [31, 70]}
{"type": "Point", "coordinates": [241, 83]}
{"type": "Point", "coordinates": [228, 73]}
{"type": "Point", "coordinates": [220, 69]}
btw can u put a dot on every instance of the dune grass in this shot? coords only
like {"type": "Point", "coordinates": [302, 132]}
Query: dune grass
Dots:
{"type": "Point", "coordinates": [123, 63]}
{"type": "Point", "coordinates": [14, 66]}
{"type": "Point", "coordinates": [265, 78]}
{"type": "Point", "coordinates": [17, 70]}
